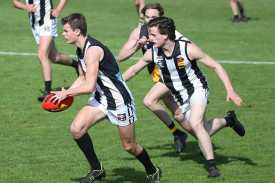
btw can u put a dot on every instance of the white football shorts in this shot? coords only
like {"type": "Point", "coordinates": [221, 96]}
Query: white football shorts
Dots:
{"type": "Point", "coordinates": [121, 117]}
{"type": "Point", "coordinates": [199, 97]}
{"type": "Point", "coordinates": [49, 28]}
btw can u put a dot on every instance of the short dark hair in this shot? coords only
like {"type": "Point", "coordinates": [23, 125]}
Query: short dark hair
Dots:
{"type": "Point", "coordinates": [76, 21]}
{"type": "Point", "coordinates": [165, 26]}
{"type": "Point", "coordinates": [156, 6]}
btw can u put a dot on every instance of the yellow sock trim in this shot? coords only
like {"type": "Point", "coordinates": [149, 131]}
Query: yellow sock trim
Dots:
{"type": "Point", "coordinates": [140, 20]}
{"type": "Point", "coordinates": [174, 129]}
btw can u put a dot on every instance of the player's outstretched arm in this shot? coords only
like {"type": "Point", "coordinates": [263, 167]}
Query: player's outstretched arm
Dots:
{"type": "Point", "coordinates": [134, 69]}
{"type": "Point", "coordinates": [195, 53]}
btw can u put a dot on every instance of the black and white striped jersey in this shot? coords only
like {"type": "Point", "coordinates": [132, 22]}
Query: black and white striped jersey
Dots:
{"type": "Point", "coordinates": [182, 76]}
{"type": "Point", "coordinates": [111, 90]}
{"type": "Point", "coordinates": [43, 11]}
{"type": "Point", "coordinates": [152, 69]}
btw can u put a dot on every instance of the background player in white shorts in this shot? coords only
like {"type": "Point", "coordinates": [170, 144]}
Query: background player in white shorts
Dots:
{"type": "Point", "coordinates": [44, 28]}
{"type": "Point", "coordinates": [112, 99]}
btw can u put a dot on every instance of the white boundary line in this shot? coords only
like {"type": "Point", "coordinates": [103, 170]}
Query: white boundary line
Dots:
{"type": "Point", "coordinates": [136, 58]}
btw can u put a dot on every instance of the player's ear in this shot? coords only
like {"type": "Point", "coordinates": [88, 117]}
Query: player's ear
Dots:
{"type": "Point", "coordinates": [77, 32]}
{"type": "Point", "coordinates": [165, 36]}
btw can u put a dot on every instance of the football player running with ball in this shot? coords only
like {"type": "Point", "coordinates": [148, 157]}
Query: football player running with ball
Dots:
{"type": "Point", "coordinates": [112, 99]}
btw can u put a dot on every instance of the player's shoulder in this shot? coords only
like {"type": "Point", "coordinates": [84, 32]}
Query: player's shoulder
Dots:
{"type": "Point", "coordinates": [136, 32]}
{"type": "Point", "coordinates": [179, 36]}
{"type": "Point", "coordinates": [148, 54]}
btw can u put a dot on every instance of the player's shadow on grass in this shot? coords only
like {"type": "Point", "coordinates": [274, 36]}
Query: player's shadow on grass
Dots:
{"type": "Point", "coordinates": [125, 174]}
{"type": "Point", "coordinates": [248, 20]}
{"type": "Point", "coordinates": [192, 152]}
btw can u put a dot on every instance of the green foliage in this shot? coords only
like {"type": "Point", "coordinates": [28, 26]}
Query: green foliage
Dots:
{"type": "Point", "coordinates": [36, 146]}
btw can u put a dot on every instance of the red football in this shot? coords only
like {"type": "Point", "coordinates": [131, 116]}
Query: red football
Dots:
{"type": "Point", "coordinates": [55, 107]}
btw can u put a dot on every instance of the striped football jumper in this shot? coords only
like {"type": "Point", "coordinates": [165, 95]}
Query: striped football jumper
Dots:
{"type": "Point", "coordinates": [182, 76]}
{"type": "Point", "coordinates": [152, 68]}
{"type": "Point", "coordinates": [111, 90]}
{"type": "Point", "coordinates": [43, 12]}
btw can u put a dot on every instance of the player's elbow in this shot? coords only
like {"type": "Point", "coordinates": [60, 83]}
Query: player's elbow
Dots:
{"type": "Point", "coordinates": [120, 58]}
{"type": "Point", "coordinates": [217, 67]}
{"type": "Point", "coordinates": [134, 71]}
{"type": "Point", "coordinates": [90, 89]}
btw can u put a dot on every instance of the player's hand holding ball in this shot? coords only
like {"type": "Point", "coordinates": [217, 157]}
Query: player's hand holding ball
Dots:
{"type": "Point", "coordinates": [57, 101]}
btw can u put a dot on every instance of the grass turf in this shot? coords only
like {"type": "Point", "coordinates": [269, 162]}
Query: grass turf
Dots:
{"type": "Point", "coordinates": [36, 146]}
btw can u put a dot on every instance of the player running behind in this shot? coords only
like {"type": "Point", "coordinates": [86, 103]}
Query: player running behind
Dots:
{"type": "Point", "coordinates": [139, 39]}
{"type": "Point", "coordinates": [177, 65]}
{"type": "Point", "coordinates": [112, 99]}
{"type": "Point", "coordinates": [139, 5]}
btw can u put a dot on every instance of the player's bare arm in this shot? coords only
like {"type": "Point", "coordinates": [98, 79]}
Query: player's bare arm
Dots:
{"type": "Point", "coordinates": [92, 58]}
{"type": "Point", "coordinates": [57, 10]}
{"type": "Point", "coordinates": [132, 45]}
{"type": "Point", "coordinates": [81, 78]}
{"type": "Point", "coordinates": [29, 8]}
{"type": "Point", "coordinates": [195, 53]}
{"type": "Point", "coordinates": [135, 69]}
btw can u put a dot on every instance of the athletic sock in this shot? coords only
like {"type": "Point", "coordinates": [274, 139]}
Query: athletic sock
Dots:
{"type": "Point", "coordinates": [86, 145]}
{"type": "Point", "coordinates": [74, 64]}
{"type": "Point", "coordinates": [211, 163]}
{"type": "Point", "coordinates": [173, 129]}
{"type": "Point", "coordinates": [242, 12]}
{"type": "Point", "coordinates": [144, 158]}
{"type": "Point", "coordinates": [48, 86]}
{"type": "Point", "coordinates": [236, 16]}
{"type": "Point", "coordinates": [229, 122]}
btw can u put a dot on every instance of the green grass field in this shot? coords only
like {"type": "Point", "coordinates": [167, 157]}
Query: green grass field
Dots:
{"type": "Point", "coordinates": [37, 146]}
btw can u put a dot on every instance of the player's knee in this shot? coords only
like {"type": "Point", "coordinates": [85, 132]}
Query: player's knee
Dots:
{"type": "Point", "coordinates": [196, 126]}
{"type": "Point", "coordinates": [76, 132]}
{"type": "Point", "coordinates": [41, 57]}
{"type": "Point", "coordinates": [54, 59]}
{"type": "Point", "coordinates": [148, 102]}
{"type": "Point", "coordinates": [73, 130]}
{"type": "Point", "coordinates": [178, 117]}
{"type": "Point", "coordinates": [129, 147]}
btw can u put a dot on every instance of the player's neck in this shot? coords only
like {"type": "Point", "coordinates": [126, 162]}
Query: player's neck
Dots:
{"type": "Point", "coordinates": [81, 42]}
{"type": "Point", "coordinates": [168, 47]}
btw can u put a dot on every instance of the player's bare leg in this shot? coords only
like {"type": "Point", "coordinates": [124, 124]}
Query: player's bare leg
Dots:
{"type": "Point", "coordinates": [87, 117]}
{"type": "Point", "coordinates": [214, 125]}
{"type": "Point", "coordinates": [176, 112]}
{"type": "Point", "coordinates": [197, 115]}
{"type": "Point", "coordinates": [128, 139]}
{"type": "Point", "coordinates": [151, 101]}
{"type": "Point", "coordinates": [60, 58]}
{"type": "Point", "coordinates": [43, 56]}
